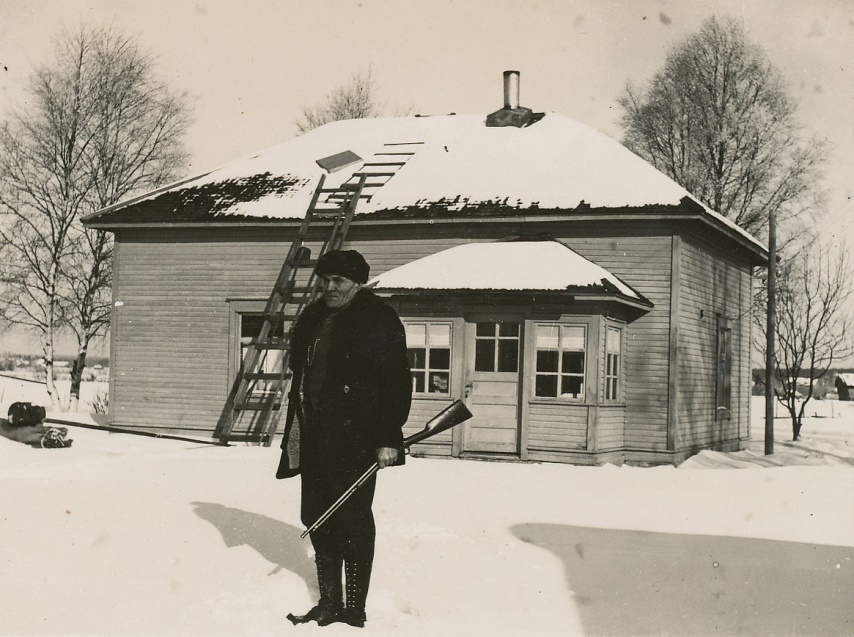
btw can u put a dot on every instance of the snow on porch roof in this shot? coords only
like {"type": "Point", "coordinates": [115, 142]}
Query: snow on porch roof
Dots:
{"type": "Point", "coordinates": [503, 266]}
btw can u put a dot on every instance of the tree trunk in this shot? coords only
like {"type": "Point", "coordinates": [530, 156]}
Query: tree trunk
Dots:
{"type": "Point", "coordinates": [76, 378]}
{"type": "Point", "coordinates": [796, 428]}
{"type": "Point", "coordinates": [50, 385]}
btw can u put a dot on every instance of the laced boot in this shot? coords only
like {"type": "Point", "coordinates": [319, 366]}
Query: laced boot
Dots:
{"type": "Point", "coordinates": [358, 576]}
{"type": "Point", "coordinates": [330, 606]}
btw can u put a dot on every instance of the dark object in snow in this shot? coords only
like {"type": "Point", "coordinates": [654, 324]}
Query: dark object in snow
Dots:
{"type": "Point", "coordinates": [38, 435]}
{"type": "Point", "coordinates": [26, 414]}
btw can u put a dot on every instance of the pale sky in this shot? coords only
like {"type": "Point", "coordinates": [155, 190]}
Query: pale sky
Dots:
{"type": "Point", "coordinates": [251, 66]}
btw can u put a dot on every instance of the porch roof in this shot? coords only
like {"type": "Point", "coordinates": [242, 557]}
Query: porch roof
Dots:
{"type": "Point", "coordinates": [517, 265]}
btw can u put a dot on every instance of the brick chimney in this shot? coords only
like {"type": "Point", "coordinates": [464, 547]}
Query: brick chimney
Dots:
{"type": "Point", "coordinates": [512, 114]}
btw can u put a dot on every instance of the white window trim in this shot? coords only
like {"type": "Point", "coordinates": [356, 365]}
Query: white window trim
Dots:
{"type": "Point", "coordinates": [451, 377]}
{"type": "Point", "coordinates": [589, 324]}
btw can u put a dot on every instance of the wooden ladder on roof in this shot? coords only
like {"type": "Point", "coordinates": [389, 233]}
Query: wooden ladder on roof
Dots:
{"type": "Point", "coordinates": [254, 404]}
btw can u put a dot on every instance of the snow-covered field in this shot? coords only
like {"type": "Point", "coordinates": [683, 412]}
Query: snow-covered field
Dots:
{"type": "Point", "coordinates": [131, 535]}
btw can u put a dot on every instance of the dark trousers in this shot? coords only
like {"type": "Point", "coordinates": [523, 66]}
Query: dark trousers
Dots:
{"type": "Point", "coordinates": [350, 533]}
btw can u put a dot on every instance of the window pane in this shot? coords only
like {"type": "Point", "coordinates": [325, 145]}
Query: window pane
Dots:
{"type": "Point", "coordinates": [508, 329]}
{"type": "Point", "coordinates": [611, 389]}
{"type": "Point", "coordinates": [613, 340]}
{"type": "Point", "coordinates": [547, 361]}
{"type": "Point", "coordinates": [573, 363]}
{"type": "Point", "coordinates": [508, 355]}
{"type": "Point", "coordinates": [417, 382]}
{"type": "Point", "coordinates": [417, 358]}
{"type": "Point", "coordinates": [484, 356]}
{"type": "Point", "coordinates": [572, 337]}
{"type": "Point", "coordinates": [486, 329]}
{"type": "Point", "coordinates": [571, 386]}
{"type": "Point", "coordinates": [547, 337]}
{"type": "Point", "coordinates": [546, 386]}
{"type": "Point", "coordinates": [440, 359]}
{"type": "Point", "coordinates": [440, 335]}
{"type": "Point", "coordinates": [416, 335]}
{"type": "Point", "coordinates": [439, 382]}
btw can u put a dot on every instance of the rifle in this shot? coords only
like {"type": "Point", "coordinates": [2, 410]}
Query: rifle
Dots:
{"type": "Point", "coordinates": [451, 416]}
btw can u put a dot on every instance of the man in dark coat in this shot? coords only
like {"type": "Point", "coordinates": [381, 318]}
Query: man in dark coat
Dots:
{"type": "Point", "coordinates": [349, 349]}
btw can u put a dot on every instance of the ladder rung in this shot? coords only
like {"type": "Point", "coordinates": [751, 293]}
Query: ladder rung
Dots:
{"type": "Point", "coordinates": [271, 343]}
{"type": "Point", "coordinates": [251, 405]}
{"type": "Point", "coordinates": [276, 316]}
{"type": "Point", "coordinates": [344, 196]}
{"type": "Point", "coordinates": [266, 375]}
{"type": "Point", "coordinates": [346, 187]}
{"type": "Point", "coordinates": [302, 263]}
{"type": "Point", "coordinates": [395, 153]}
{"type": "Point", "coordinates": [327, 214]}
{"type": "Point", "coordinates": [290, 288]}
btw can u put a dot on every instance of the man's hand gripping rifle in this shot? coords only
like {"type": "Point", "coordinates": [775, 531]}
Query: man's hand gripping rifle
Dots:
{"type": "Point", "coordinates": [449, 417]}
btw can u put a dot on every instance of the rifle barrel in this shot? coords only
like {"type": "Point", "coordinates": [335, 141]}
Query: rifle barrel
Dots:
{"type": "Point", "coordinates": [358, 483]}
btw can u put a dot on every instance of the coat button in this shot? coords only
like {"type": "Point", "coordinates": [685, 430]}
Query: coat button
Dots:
{"type": "Point", "coordinates": [346, 389]}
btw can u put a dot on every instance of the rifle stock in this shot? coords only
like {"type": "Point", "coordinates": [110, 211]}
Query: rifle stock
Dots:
{"type": "Point", "coordinates": [451, 416]}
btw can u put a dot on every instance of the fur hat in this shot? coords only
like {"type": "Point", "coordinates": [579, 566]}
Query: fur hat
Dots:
{"type": "Point", "coordinates": [347, 263]}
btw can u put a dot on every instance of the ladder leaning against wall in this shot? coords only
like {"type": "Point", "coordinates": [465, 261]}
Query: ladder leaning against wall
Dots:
{"type": "Point", "coordinates": [253, 407]}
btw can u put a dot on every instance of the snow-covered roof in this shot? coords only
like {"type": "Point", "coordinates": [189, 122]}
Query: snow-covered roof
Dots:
{"type": "Point", "coordinates": [504, 266]}
{"type": "Point", "coordinates": [846, 378]}
{"type": "Point", "coordinates": [449, 162]}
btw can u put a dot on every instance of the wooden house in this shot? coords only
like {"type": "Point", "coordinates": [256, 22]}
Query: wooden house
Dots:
{"type": "Point", "coordinates": [845, 386]}
{"type": "Point", "coordinates": [587, 308]}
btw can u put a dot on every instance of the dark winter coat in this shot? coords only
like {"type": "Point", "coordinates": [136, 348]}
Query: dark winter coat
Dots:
{"type": "Point", "coordinates": [366, 394]}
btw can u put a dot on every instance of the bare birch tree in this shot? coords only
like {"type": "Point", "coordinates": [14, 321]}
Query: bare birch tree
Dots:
{"type": "Point", "coordinates": [814, 326]}
{"type": "Point", "coordinates": [718, 120]}
{"type": "Point", "coordinates": [99, 127]}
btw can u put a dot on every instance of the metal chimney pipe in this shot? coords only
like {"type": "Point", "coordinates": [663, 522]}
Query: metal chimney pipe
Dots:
{"type": "Point", "coordinates": [511, 89]}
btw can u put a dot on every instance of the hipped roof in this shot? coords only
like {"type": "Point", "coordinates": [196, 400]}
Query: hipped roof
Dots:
{"type": "Point", "coordinates": [458, 164]}
{"type": "Point", "coordinates": [506, 266]}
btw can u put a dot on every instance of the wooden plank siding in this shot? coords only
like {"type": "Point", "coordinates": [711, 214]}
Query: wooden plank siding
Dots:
{"type": "Point", "coordinates": [171, 321]}
{"type": "Point", "coordinates": [173, 351]}
{"type": "Point", "coordinates": [610, 425]}
{"type": "Point", "coordinates": [644, 263]}
{"type": "Point", "coordinates": [423, 409]}
{"type": "Point", "coordinates": [555, 427]}
{"type": "Point", "coordinates": [711, 286]}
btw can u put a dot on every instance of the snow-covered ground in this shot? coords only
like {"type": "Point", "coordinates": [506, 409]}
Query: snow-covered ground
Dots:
{"type": "Point", "coordinates": [131, 535]}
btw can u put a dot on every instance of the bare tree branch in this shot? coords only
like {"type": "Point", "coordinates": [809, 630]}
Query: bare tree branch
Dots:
{"type": "Point", "coordinates": [718, 120]}
{"type": "Point", "coordinates": [99, 127]}
{"type": "Point", "coordinates": [354, 100]}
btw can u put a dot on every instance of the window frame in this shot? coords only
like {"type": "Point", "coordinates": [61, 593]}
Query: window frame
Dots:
{"type": "Point", "coordinates": [723, 367]}
{"type": "Point", "coordinates": [619, 376]}
{"type": "Point", "coordinates": [427, 322]}
{"type": "Point", "coordinates": [590, 338]}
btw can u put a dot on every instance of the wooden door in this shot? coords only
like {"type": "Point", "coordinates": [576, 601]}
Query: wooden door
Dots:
{"type": "Point", "coordinates": [492, 387]}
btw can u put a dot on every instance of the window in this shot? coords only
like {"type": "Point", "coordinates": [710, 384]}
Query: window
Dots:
{"type": "Point", "coordinates": [271, 361]}
{"type": "Point", "coordinates": [429, 348]}
{"type": "Point", "coordinates": [560, 353]}
{"type": "Point", "coordinates": [724, 389]}
{"type": "Point", "coordinates": [496, 347]}
{"type": "Point", "coordinates": [613, 340]}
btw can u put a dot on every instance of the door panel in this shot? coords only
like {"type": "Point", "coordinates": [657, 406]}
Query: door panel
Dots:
{"type": "Point", "coordinates": [492, 395]}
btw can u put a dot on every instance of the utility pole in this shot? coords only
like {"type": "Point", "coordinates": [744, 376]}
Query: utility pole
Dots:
{"type": "Point", "coordinates": [770, 331]}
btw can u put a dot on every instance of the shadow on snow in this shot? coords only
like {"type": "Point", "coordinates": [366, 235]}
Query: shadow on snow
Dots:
{"type": "Point", "coordinates": [642, 583]}
{"type": "Point", "coordinates": [277, 542]}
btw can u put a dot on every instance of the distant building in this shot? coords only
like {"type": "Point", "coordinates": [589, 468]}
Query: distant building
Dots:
{"type": "Point", "coordinates": [586, 307]}
{"type": "Point", "coordinates": [845, 386]}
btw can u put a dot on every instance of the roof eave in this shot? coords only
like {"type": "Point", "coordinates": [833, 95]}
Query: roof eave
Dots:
{"type": "Point", "coordinates": [572, 294]}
